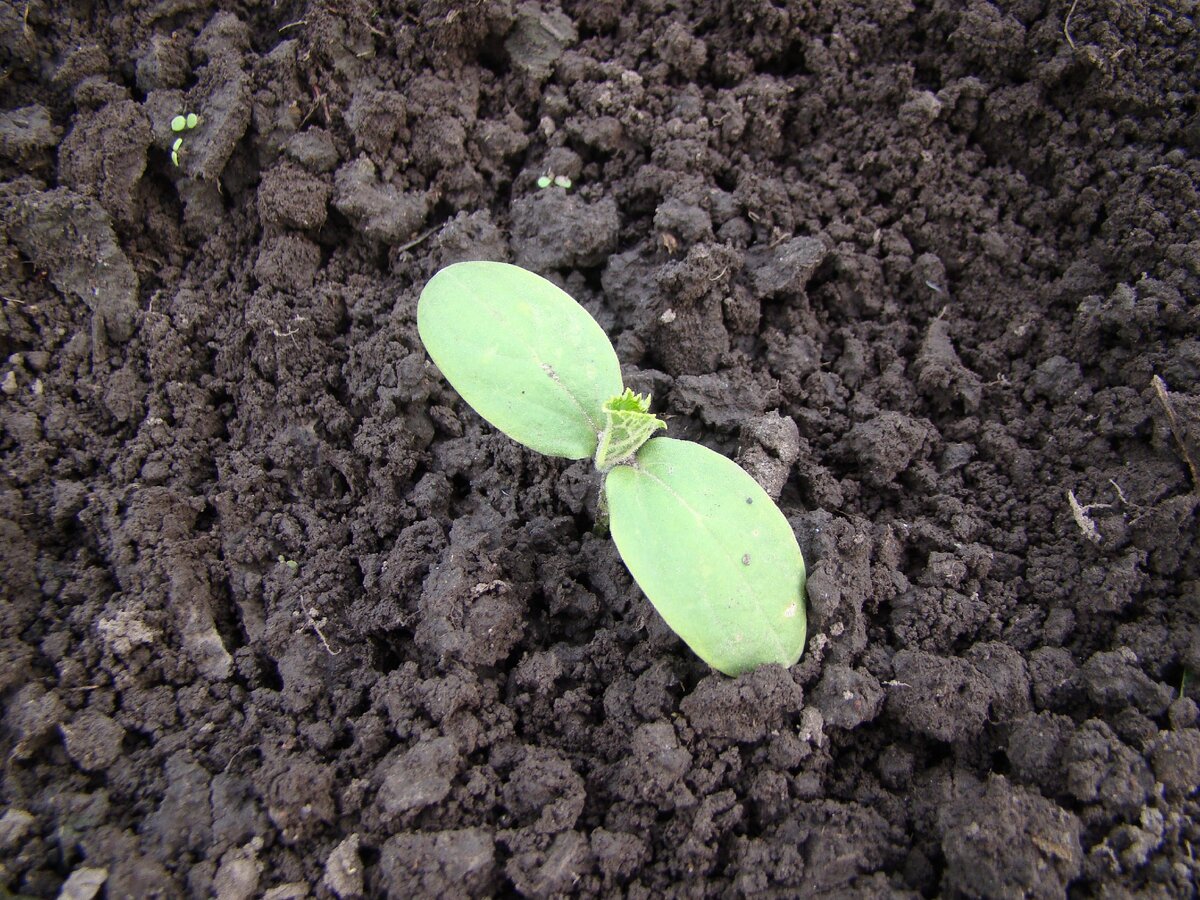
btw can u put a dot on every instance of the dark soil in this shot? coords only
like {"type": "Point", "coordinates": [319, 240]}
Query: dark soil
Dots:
{"type": "Point", "coordinates": [283, 617]}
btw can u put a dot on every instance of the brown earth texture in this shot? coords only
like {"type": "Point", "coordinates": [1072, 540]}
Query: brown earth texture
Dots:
{"type": "Point", "coordinates": [283, 617]}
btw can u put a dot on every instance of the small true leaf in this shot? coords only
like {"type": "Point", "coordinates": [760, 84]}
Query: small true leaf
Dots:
{"type": "Point", "coordinates": [522, 353]}
{"type": "Point", "coordinates": [627, 425]}
{"type": "Point", "coordinates": [712, 552]}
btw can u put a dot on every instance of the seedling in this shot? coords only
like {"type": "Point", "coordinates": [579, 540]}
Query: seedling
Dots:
{"type": "Point", "coordinates": [706, 544]}
{"type": "Point", "coordinates": [561, 181]}
{"type": "Point", "coordinates": [181, 123]}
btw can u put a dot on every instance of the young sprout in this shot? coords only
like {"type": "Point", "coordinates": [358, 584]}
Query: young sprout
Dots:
{"type": "Point", "coordinates": [181, 122]}
{"type": "Point", "coordinates": [706, 544]}
{"type": "Point", "coordinates": [561, 181]}
{"type": "Point", "coordinates": [627, 425]}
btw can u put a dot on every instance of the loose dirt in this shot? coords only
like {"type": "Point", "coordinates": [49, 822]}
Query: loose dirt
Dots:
{"type": "Point", "coordinates": [283, 617]}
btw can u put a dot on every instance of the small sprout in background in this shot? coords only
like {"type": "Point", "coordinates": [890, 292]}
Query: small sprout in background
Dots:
{"type": "Point", "coordinates": [290, 563]}
{"type": "Point", "coordinates": [561, 181]}
{"type": "Point", "coordinates": [181, 122]}
{"type": "Point", "coordinates": [707, 545]}
{"type": "Point", "coordinates": [185, 122]}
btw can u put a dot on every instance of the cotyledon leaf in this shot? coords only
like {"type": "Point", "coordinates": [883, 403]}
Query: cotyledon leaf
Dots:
{"type": "Point", "coordinates": [712, 552]}
{"type": "Point", "coordinates": [524, 354]}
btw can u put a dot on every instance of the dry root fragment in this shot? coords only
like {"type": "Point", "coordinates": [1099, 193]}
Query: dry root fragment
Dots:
{"type": "Point", "coordinates": [1083, 519]}
{"type": "Point", "coordinates": [1164, 397]}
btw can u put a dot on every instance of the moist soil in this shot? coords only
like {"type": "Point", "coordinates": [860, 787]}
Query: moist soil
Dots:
{"type": "Point", "coordinates": [283, 617]}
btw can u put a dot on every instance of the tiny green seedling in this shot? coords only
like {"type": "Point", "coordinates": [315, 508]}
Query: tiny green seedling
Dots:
{"type": "Point", "coordinates": [561, 181]}
{"type": "Point", "coordinates": [706, 544]}
{"type": "Point", "coordinates": [181, 123]}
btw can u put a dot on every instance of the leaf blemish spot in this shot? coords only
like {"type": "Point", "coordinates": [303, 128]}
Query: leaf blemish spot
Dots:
{"type": "Point", "coordinates": [790, 612]}
{"type": "Point", "coordinates": [745, 559]}
{"type": "Point", "coordinates": [749, 500]}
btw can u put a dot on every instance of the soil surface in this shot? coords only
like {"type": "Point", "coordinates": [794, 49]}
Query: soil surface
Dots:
{"type": "Point", "coordinates": [283, 617]}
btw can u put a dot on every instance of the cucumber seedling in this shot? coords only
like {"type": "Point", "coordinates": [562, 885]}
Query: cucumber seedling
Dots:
{"type": "Point", "coordinates": [707, 545]}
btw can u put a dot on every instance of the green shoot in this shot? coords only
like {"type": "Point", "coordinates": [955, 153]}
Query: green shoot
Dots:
{"type": "Point", "coordinates": [707, 545]}
{"type": "Point", "coordinates": [561, 181]}
{"type": "Point", "coordinates": [181, 122]}
{"type": "Point", "coordinates": [627, 425]}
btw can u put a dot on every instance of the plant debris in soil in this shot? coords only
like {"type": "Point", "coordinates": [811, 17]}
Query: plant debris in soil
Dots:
{"type": "Point", "coordinates": [283, 617]}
